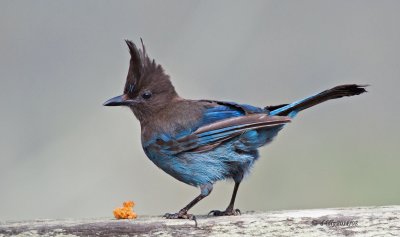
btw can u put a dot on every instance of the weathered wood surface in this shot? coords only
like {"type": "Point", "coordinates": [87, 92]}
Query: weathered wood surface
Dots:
{"type": "Point", "coordinates": [358, 221]}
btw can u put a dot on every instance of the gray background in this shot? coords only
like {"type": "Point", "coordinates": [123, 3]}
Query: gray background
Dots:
{"type": "Point", "coordinates": [64, 155]}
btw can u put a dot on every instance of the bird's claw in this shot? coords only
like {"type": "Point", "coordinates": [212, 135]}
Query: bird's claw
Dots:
{"type": "Point", "coordinates": [227, 212]}
{"type": "Point", "coordinates": [181, 215]}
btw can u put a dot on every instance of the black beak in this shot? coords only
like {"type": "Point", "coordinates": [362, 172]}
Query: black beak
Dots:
{"type": "Point", "coordinates": [118, 101]}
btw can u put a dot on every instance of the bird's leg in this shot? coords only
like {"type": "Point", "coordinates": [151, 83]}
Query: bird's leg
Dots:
{"type": "Point", "coordinates": [230, 211]}
{"type": "Point", "coordinates": [182, 214]}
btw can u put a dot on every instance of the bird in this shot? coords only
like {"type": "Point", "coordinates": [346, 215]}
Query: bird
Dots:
{"type": "Point", "coordinates": [200, 142]}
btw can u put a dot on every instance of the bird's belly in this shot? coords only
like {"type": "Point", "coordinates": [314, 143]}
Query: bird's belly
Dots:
{"type": "Point", "coordinates": [231, 159]}
{"type": "Point", "coordinates": [196, 168]}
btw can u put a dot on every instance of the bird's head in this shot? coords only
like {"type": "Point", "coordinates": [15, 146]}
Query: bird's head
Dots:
{"type": "Point", "coordinates": [147, 89]}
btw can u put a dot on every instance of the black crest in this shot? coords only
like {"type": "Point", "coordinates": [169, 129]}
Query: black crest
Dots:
{"type": "Point", "coordinates": [136, 64]}
{"type": "Point", "coordinates": [140, 65]}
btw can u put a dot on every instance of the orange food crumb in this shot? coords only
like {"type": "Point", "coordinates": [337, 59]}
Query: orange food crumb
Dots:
{"type": "Point", "coordinates": [125, 212]}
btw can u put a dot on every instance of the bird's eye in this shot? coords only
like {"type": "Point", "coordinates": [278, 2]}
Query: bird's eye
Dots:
{"type": "Point", "coordinates": [146, 95]}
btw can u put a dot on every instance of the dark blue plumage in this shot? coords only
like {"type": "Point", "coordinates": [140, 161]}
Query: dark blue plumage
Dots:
{"type": "Point", "coordinates": [200, 142]}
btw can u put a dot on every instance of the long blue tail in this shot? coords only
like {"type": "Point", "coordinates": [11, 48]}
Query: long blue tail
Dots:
{"type": "Point", "coordinates": [334, 93]}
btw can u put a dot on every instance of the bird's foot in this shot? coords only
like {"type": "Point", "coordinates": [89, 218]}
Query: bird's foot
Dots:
{"type": "Point", "coordinates": [227, 212]}
{"type": "Point", "coordinates": [182, 214]}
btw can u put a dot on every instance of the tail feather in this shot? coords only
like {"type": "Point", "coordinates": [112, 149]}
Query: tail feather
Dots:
{"type": "Point", "coordinates": [334, 93]}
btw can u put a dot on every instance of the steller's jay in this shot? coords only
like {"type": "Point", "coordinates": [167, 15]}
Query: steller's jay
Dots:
{"type": "Point", "coordinates": [200, 142]}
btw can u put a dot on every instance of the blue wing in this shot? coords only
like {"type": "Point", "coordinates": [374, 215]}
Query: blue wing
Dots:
{"type": "Point", "coordinates": [219, 123]}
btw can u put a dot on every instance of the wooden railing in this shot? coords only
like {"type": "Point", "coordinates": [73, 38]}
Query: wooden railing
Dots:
{"type": "Point", "coordinates": [354, 221]}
